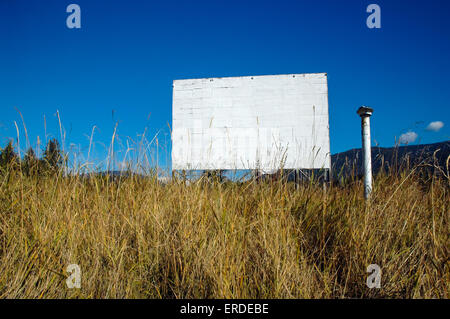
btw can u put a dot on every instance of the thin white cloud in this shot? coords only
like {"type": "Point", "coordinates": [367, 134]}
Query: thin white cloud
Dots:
{"type": "Point", "coordinates": [435, 126]}
{"type": "Point", "coordinates": [407, 138]}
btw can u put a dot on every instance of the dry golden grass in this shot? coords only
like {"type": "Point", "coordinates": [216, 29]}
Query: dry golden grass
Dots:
{"type": "Point", "coordinates": [136, 238]}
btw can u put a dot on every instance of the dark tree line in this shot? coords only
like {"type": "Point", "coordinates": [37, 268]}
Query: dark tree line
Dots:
{"type": "Point", "coordinates": [51, 161]}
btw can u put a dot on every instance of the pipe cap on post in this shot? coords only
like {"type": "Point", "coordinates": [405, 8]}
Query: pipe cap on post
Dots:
{"type": "Point", "coordinates": [365, 111]}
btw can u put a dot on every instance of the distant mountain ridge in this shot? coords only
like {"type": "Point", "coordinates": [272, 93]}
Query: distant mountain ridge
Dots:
{"type": "Point", "coordinates": [349, 160]}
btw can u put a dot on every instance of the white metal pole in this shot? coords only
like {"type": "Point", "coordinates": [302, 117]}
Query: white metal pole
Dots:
{"type": "Point", "coordinates": [365, 113]}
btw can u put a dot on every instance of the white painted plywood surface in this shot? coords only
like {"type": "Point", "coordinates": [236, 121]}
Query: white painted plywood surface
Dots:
{"type": "Point", "coordinates": [251, 122]}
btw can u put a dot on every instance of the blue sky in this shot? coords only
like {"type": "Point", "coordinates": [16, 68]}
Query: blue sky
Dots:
{"type": "Point", "coordinates": [119, 67]}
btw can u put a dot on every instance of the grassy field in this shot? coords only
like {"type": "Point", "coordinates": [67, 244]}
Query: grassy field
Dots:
{"type": "Point", "coordinates": [137, 238]}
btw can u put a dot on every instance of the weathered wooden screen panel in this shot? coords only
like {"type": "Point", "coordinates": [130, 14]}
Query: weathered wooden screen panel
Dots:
{"type": "Point", "coordinates": [251, 122]}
